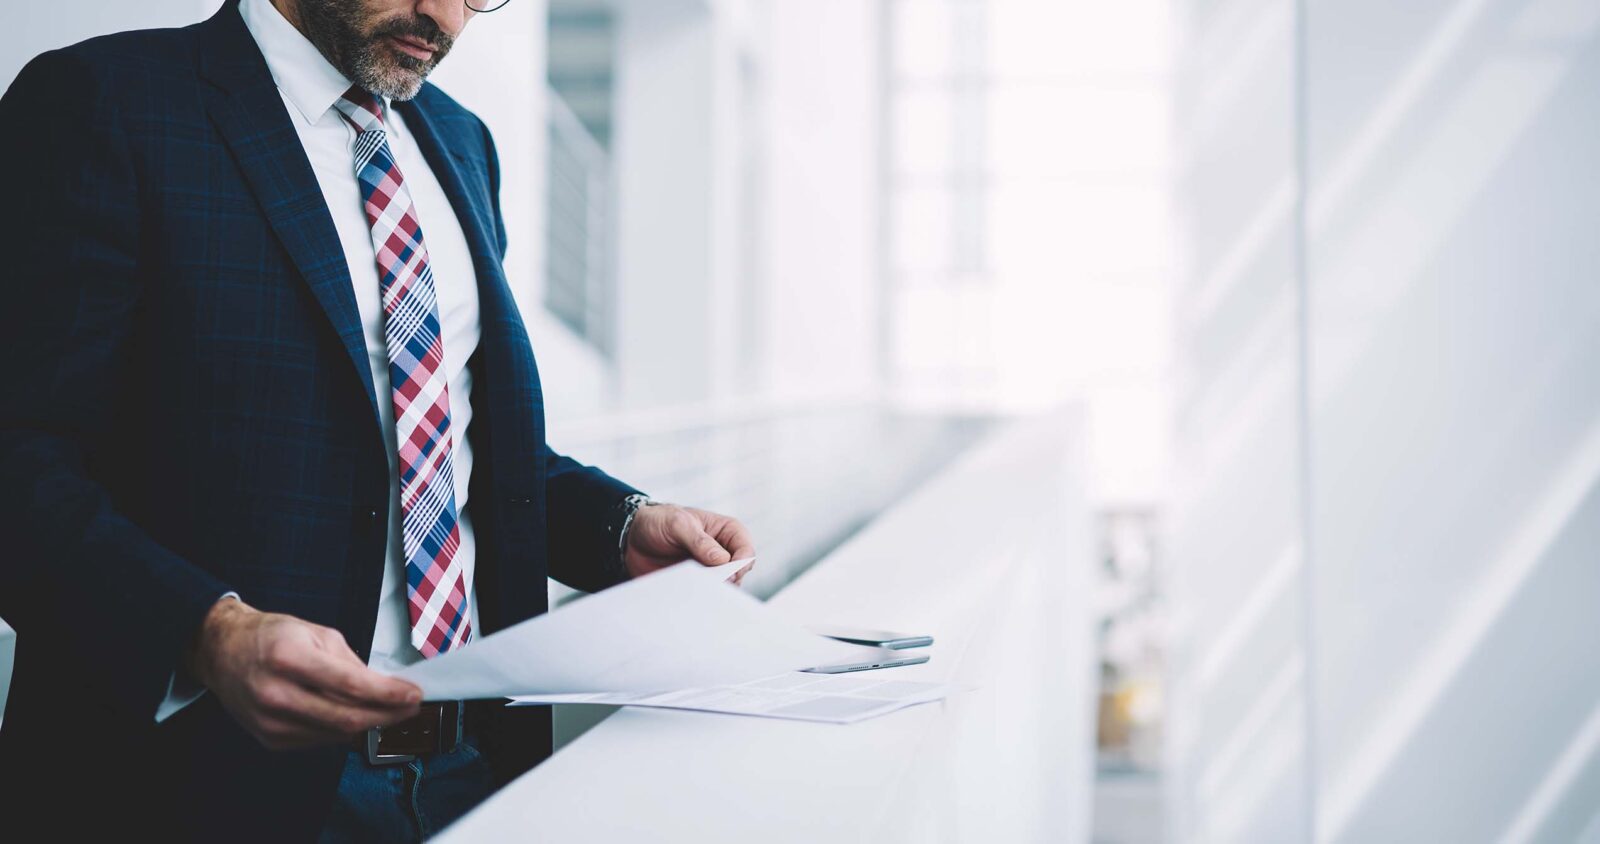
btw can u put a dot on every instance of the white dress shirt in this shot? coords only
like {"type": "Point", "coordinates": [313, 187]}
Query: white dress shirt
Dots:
{"type": "Point", "coordinates": [310, 86]}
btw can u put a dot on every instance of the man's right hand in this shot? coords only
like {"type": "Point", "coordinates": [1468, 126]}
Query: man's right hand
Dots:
{"type": "Point", "coordinates": [291, 683]}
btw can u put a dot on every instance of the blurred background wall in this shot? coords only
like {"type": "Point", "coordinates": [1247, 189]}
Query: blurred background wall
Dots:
{"type": "Point", "coordinates": [1320, 274]}
{"type": "Point", "coordinates": [1385, 551]}
{"type": "Point", "coordinates": [1237, 734]}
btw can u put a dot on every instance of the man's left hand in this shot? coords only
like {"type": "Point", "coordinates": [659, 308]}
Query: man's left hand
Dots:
{"type": "Point", "coordinates": [664, 534]}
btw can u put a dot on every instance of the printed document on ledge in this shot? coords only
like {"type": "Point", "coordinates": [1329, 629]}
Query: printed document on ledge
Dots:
{"type": "Point", "coordinates": [679, 628]}
{"type": "Point", "coordinates": [835, 698]}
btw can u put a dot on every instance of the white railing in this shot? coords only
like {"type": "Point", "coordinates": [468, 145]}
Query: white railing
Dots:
{"type": "Point", "coordinates": [802, 475]}
{"type": "Point", "coordinates": [992, 556]}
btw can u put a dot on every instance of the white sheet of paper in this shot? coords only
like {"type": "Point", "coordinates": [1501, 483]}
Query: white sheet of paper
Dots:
{"type": "Point", "coordinates": [833, 698]}
{"type": "Point", "coordinates": [672, 629]}
{"type": "Point", "coordinates": [726, 570]}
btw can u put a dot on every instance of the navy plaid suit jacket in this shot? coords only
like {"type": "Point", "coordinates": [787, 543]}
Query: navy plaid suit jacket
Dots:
{"type": "Point", "coordinates": [188, 409]}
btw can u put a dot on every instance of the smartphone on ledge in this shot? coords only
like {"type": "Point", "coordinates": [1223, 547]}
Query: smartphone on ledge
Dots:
{"type": "Point", "coordinates": [875, 638]}
{"type": "Point", "coordinates": [885, 658]}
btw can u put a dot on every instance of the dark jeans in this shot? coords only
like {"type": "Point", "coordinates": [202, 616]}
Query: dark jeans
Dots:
{"type": "Point", "coordinates": [409, 801]}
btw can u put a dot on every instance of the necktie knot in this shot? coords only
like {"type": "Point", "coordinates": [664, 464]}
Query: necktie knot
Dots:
{"type": "Point", "coordinates": [361, 107]}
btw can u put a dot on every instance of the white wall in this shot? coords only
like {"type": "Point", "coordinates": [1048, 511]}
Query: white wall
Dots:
{"type": "Point", "coordinates": [672, 186]}
{"type": "Point", "coordinates": [821, 272]}
{"type": "Point", "coordinates": [1455, 416]}
{"type": "Point", "coordinates": [1237, 705]}
{"type": "Point", "coordinates": [1426, 668]}
{"type": "Point", "coordinates": [746, 153]}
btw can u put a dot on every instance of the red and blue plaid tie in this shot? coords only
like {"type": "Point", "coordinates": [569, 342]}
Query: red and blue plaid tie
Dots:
{"type": "Point", "coordinates": [436, 582]}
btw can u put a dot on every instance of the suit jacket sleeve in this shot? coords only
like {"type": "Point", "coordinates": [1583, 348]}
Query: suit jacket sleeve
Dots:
{"type": "Point", "coordinates": [580, 509]}
{"type": "Point", "coordinates": [76, 570]}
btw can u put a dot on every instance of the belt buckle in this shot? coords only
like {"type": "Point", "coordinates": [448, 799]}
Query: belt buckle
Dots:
{"type": "Point", "coordinates": [446, 732]}
{"type": "Point", "coordinates": [374, 757]}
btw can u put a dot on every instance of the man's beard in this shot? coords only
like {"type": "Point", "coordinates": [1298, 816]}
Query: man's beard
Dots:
{"type": "Point", "coordinates": [336, 28]}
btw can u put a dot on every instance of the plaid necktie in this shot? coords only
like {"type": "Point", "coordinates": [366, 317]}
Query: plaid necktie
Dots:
{"type": "Point", "coordinates": [436, 583]}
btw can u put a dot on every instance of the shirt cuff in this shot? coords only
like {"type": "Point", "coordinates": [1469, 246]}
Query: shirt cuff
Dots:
{"type": "Point", "coordinates": [182, 689]}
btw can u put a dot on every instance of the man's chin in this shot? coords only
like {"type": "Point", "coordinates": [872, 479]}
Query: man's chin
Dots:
{"type": "Point", "coordinates": [406, 93]}
{"type": "Point", "coordinates": [396, 84]}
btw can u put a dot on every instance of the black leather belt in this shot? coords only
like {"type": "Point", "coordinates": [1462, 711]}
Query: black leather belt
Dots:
{"type": "Point", "coordinates": [437, 728]}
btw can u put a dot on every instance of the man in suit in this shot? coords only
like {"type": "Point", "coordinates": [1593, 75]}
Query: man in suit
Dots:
{"type": "Point", "coordinates": [272, 422]}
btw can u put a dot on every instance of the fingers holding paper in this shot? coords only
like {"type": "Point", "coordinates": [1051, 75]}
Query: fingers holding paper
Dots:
{"type": "Point", "coordinates": [290, 683]}
{"type": "Point", "coordinates": [664, 534]}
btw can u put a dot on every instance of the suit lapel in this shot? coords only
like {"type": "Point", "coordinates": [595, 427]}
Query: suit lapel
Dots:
{"type": "Point", "coordinates": [476, 220]}
{"type": "Point", "coordinates": [249, 113]}
{"type": "Point", "coordinates": [505, 383]}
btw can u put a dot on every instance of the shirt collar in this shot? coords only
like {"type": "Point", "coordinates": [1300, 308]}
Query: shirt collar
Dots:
{"type": "Point", "coordinates": [301, 72]}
